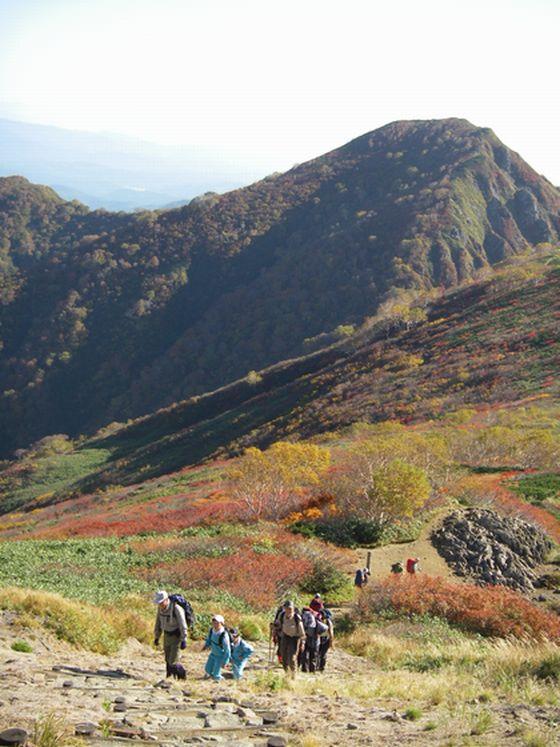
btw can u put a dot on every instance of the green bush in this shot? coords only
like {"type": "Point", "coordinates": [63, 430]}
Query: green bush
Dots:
{"type": "Point", "coordinates": [345, 532]}
{"type": "Point", "coordinates": [328, 580]}
{"type": "Point", "coordinates": [425, 662]}
{"type": "Point", "coordinates": [22, 646]}
{"type": "Point", "coordinates": [548, 669]}
{"type": "Point", "coordinates": [537, 488]}
{"type": "Point", "coordinates": [345, 624]}
{"type": "Point", "coordinates": [251, 629]}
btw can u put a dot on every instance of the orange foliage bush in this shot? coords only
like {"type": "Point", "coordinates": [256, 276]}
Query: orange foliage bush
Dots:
{"type": "Point", "coordinates": [138, 521]}
{"type": "Point", "coordinates": [256, 577]}
{"type": "Point", "coordinates": [490, 610]}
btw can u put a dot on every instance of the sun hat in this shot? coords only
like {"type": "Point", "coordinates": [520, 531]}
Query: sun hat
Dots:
{"type": "Point", "coordinates": [218, 619]}
{"type": "Point", "coordinates": [160, 596]}
{"type": "Point", "coordinates": [234, 632]}
{"type": "Point", "coordinates": [288, 603]}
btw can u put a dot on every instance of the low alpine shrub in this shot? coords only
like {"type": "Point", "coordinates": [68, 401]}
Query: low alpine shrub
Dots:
{"type": "Point", "coordinates": [489, 610]}
{"type": "Point", "coordinates": [22, 646]}
{"type": "Point", "coordinates": [342, 531]}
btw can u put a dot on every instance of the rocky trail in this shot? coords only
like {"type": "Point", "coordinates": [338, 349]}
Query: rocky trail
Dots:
{"type": "Point", "coordinates": [123, 699]}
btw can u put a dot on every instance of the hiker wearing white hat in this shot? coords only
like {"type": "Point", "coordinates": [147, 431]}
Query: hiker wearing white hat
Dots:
{"type": "Point", "coordinates": [170, 619]}
{"type": "Point", "coordinates": [218, 641]}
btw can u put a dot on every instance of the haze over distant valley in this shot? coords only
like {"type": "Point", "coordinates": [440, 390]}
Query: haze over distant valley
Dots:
{"type": "Point", "coordinates": [115, 172]}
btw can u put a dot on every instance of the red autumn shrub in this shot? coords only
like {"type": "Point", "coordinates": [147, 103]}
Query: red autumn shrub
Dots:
{"type": "Point", "coordinates": [139, 520]}
{"type": "Point", "coordinates": [490, 610]}
{"type": "Point", "coordinates": [256, 577]}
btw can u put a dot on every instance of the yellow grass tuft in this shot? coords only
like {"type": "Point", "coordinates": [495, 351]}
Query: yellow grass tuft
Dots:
{"type": "Point", "coordinates": [102, 630]}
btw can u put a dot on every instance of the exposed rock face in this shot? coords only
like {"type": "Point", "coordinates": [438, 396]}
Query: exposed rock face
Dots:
{"type": "Point", "coordinates": [491, 548]}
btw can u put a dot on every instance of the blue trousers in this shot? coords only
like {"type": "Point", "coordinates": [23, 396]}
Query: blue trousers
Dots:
{"type": "Point", "coordinates": [214, 665]}
{"type": "Point", "coordinates": [237, 668]}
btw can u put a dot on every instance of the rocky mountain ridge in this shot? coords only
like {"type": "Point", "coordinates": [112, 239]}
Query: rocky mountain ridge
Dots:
{"type": "Point", "coordinates": [109, 316]}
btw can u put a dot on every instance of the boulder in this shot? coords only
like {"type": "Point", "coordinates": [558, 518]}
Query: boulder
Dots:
{"type": "Point", "coordinates": [13, 736]}
{"type": "Point", "coordinates": [492, 548]}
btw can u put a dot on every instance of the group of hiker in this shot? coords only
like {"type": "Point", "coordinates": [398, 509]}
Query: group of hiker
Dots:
{"type": "Point", "coordinates": [412, 566]}
{"type": "Point", "coordinates": [362, 575]}
{"type": "Point", "coordinates": [302, 639]}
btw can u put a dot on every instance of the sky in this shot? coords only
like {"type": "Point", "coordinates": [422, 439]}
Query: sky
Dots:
{"type": "Point", "coordinates": [269, 83]}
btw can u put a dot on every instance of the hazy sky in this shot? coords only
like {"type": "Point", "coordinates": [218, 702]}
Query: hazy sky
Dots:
{"type": "Point", "coordinates": [268, 83]}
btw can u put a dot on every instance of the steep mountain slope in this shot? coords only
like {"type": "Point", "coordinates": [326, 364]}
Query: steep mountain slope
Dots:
{"type": "Point", "coordinates": [108, 316]}
{"type": "Point", "coordinates": [489, 344]}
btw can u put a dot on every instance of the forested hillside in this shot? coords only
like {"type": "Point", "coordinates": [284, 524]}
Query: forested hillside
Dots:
{"type": "Point", "coordinates": [108, 316]}
{"type": "Point", "coordinates": [487, 345]}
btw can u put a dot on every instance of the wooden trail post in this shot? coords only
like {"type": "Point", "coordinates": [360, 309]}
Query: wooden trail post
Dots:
{"type": "Point", "coordinates": [368, 564]}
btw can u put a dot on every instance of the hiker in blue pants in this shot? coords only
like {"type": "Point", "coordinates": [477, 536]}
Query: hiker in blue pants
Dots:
{"type": "Point", "coordinates": [240, 653]}
{"type": "Point", "coordinates": [218, 642]}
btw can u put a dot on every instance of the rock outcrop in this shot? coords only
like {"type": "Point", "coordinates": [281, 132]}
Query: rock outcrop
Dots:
{"type": "Point", "coordinates": [491, 548]}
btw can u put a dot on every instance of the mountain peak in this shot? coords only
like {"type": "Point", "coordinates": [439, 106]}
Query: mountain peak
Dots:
{"type": "Point", "coordinates": [135, 312]}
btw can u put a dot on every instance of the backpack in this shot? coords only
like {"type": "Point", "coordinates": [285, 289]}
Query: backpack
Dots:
{"type": "Point", "coordinates": [309, 621]}
{"type": "Point", "coordinates": [397, 567]}
{"type": "Point", "coordinates": [180, 600]}
{"type": "Point", "coordinates": [327, 616]}
{"type": "Point", "coordinates": [221, 639]}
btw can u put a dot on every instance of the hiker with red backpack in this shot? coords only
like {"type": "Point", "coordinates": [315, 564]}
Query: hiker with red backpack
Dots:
{"type": "Point", "coordinates": [171, 620]}
{"type": "Point", "coordinates": [316, 604]}
{"type": "Point", "coordinates": [412, 565]}
{"type": "Point", "coordinates": [219, 643]}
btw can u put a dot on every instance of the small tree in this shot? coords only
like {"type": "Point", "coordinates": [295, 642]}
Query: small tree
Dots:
{"type": "Point", "coordinates": [270, 484]}
{"type": "Point", "coordinates": [383, 494]}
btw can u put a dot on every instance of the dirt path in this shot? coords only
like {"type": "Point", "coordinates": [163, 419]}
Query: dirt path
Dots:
{"type": "Point", "coordinates": [163, 712]}
{"type": "Point", "coordinates": [382, 558]}
{"type": "Point", "coordinates": [247, 714]}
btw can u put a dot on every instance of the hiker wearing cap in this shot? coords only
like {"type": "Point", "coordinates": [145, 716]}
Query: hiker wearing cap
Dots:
{"type": "Point", "coordinates": [171, 621]}
{"type": "Point", "coordinates": [240, 653]}
{"type": "Point", "coordinates": [219, 644]}
{"type": "Point", "coordinates": [290, 634]}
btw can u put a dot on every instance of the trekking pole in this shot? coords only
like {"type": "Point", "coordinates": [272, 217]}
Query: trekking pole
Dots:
{"type": "Point", "coordinates": [270, 648]}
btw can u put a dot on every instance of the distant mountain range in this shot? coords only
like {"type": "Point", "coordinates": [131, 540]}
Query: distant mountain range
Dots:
{"type": "Point", "coordinates": [112, 171]}
{"type": "Point", "coordinates": [110, 316]}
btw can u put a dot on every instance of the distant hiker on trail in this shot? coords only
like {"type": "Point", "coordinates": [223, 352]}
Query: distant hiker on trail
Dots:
{"type": "Point", "coordinates": [219, 644]}
{"type": "Point", "coordinates": [290, 634]}
{"type": "Point", "coordinates": [314, 629]}
{"type": "Point", "coordinates": [366, 574]}
{"type": "Point", "coordinates": [171, 620]}
{"type": "Point", "coordinates": [240, 653]}
{"type": "Point", "coordinates": [397, 568]}
{"type": "Point", "coordinates": [359, 579]}
{"type": "Point", "coordinates": [412, 565]}
{"type": "Point", "coordinates": [326, 639]}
